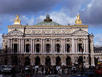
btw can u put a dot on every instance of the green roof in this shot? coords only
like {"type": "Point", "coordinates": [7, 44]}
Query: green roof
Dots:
{"type": "Point", "coordinates": [47, 21]}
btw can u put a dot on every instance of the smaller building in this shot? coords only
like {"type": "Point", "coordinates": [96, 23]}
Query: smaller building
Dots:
{"type": "Point", "coordinates": [98, 54]}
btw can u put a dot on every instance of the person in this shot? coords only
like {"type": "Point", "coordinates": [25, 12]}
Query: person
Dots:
{"type": "Point", "coordinates": [13, 71]}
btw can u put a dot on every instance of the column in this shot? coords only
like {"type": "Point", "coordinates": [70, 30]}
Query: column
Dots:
{"type": "Point", "coordinates": [31, 46]}
{"type": "Point", "coordinates": [92, 50]}
{"type": "Point", "coordinates": [87, 45]}
{"type": "Point", "coordinates": [11, 45]}
{"type": "Point", "coordinates": [33, 49]}
{"type": "Point", "coordinates": [8, 45]}
{"type": "Point", "coordinates": [22, 46]}
{"type": "Point", "coordinates": [41, 46]}
{"type": "Point", "coordinates": [63, 46]}
{"type": "Point", "coordinates": [84, 45]}
{"type": "Point", "coordinates": [19, 46]}
{"type": "Point", "coordinates": [73, 45]}
{"type": "Point", "coordinates": [51, 45]}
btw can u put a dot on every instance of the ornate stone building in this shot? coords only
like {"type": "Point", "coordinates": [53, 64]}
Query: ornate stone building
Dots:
{"type": "Point", "coordinates": [48, 43]}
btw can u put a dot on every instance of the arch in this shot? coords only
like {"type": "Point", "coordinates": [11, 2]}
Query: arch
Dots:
{"type": "Point", "coordinates": [80, 60]}
{"type": "Point", "coordinates": [68, 60]}
{"type": "Point", "coordinates": [57, 47]}
{"type": "Point", "coordinates": [58, 60]}
{"type": "Point", "coordinates": [48, 47]}
{"type": "Point", "coordinates": [27, 60]}
{"type": "Point", "coordinates": [37, 60]}
{"type": "Point", "coordinates": [47, 61]}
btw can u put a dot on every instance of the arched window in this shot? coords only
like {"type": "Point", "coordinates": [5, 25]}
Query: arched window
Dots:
{"type": "Point", "coordinates": [27, 47]}
{"type": "Point", "coordinates": [48, 47]}
{"type": "Point", "coordinates": [6, 50]}
{"type": "Point", "coordinates": [67, 47]}
{"type": "Point", "coordinates": [15, 48]}
{"type": "Point", "coordinates": [68, 60]}
{"type": "Point", "coordinates": [57, 47]}
{"type": "Point", "coordinates": [37, 48]}
{"type": "Point", "coordinates": [58, 60]}
{"type": "Point", "coordinates": [47, 61]}
{"type": "Point", "coordinates": [80, 48]}
{"type": "Point", "coordinates": [37, 60]}
{"type": "Point", "coordinates": [27, 61]}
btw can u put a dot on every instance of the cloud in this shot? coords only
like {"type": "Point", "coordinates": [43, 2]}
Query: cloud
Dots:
{"type": "Point", "coordinates": [98, 40]}
{"type": "Point", "coordinates": [93, 13]}
{"type": "Point", "coordinates": [27, 20]}
{"type": "Point", "coordinates": [59, 17]}
{"type": "Point", "coordinates": [26, 6]}
{"type": "Point", "coordinates": [0, 40]}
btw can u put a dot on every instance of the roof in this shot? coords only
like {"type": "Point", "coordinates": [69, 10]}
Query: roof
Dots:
{"type": "Point", "coordinates": [47, 21]}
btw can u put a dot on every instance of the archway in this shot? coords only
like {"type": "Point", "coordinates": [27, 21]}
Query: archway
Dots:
{"type": "Point", "coordinates": [27, 61]}
{"type": "Point", "coordinates": [68, 60]}
{"type": "Point", "coordinates": [37, 60]}
{"type": "Point", "coordinates": [80, 60]}
{"type": "Point", "coordinates": [47, 61]}
{"type": "Point", "coordinates": [14, 59]}
{"type": "Point", "coordinates": [58, 60]}
{"type": "Point", "coordinates": [96, 60]}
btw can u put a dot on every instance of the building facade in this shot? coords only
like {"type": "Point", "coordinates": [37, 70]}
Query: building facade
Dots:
{"type": "Point", "coordinates": [48, 43]}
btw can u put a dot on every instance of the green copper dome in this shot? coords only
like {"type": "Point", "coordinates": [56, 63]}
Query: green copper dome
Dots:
{"type": "Point", "coordinates": [47, 21]}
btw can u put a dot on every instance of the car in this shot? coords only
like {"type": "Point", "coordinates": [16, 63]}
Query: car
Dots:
{"type": "Point", "coordinates": [6, 69]}
{"type": "Point", "coordinates": [0, 69]}
{"type": "Point", "coordinates": [27, 69]}
{"type": "Point", "coordinates": [99, 69]}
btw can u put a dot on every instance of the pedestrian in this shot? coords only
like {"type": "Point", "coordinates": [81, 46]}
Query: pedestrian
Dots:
{"type": "Point", "coordinates": [13, 71]}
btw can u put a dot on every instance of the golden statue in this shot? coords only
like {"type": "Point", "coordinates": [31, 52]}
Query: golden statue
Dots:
{"type": "Point", "coordinates": [17, 20]}
{"type": "Point", "coordinates": [78, 20]}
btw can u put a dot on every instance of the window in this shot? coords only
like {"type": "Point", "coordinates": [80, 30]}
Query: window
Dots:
{"type": "Point", "coordinates": [15, 48]}
{"type": "Point", "coordinates": [27, 47]}
{"type": "Point", "coordinates": [80, 48]}
{"type": "Point", "coordinates": [57, 47]}
{"type": "Point", "coordinates": [67, 48]}
{"type": "Point", "coordinates": [37, 48]}
{"type": "Point", "coordinates": [48, 47]}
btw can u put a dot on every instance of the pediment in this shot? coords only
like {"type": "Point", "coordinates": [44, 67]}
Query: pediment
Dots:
{"type": "Point", "coordinates": [80, 32]}
{"type": "Point", "coordinates": [15, 32]}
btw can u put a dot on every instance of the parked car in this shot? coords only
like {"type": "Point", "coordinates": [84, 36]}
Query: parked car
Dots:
{"type": "Point", "coordinates": [27, 69]}
{"type": "Point", "coordinates": [0, 69]}
{"type": "Point", "coordinates": [52, 76]}
{"type": "Point", "coordinates": [6, 69]}
{"type": "Point", "coordinates": [99, 69]}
